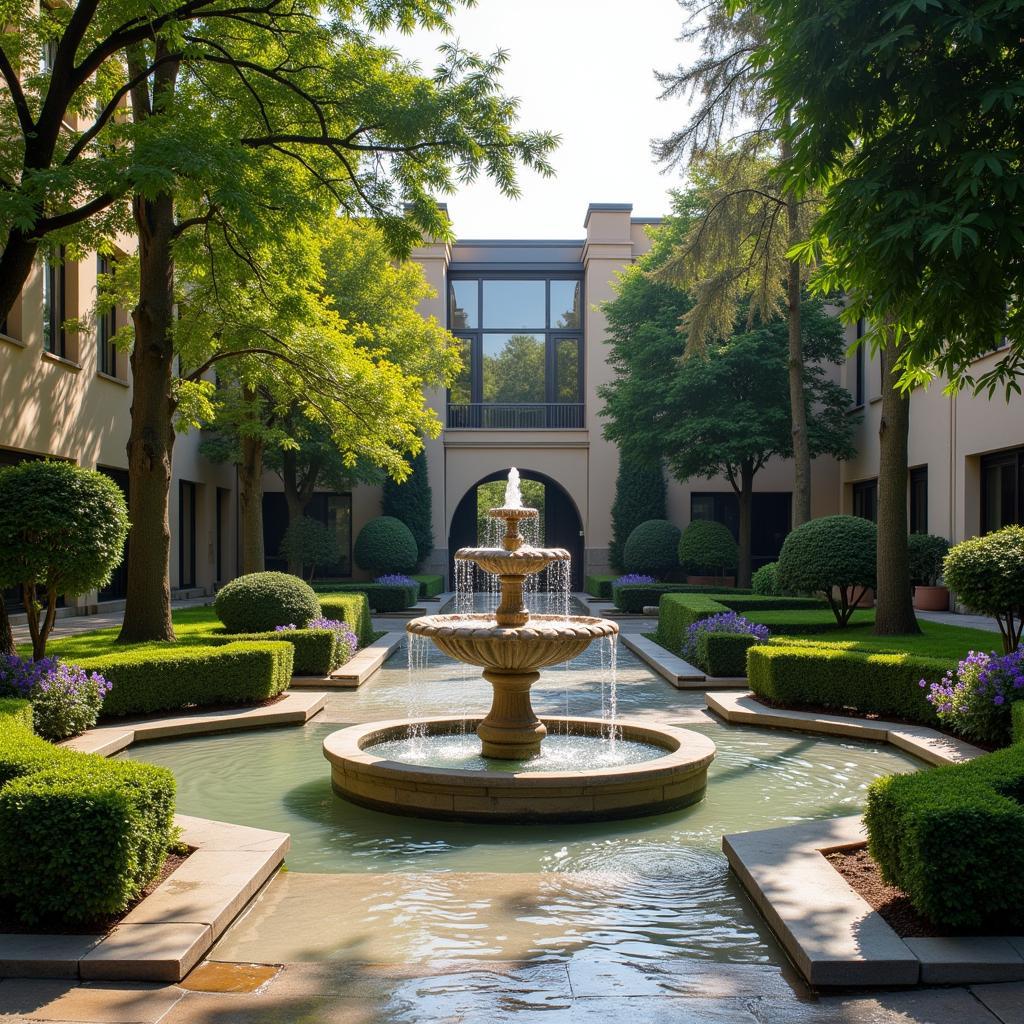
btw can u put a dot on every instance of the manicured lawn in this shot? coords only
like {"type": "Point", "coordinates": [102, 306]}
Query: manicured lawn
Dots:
{"type": "Point", "coordinates": [937, 639]}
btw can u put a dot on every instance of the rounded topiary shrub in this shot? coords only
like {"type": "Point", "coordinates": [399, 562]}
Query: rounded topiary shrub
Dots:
{"type": "Point", "coordinates": [835, 556]}
{"type": "Point", "coordinates": [651, 548]}
{"type": "Point", "coordinates": [927, 553]}
{"type": "Point", "coordinates": [386, 544]}
{"type": "Point", "coordinates": [766, 580]}
{"type": "Point", "coordinates": [707, 547]}
{"type": "Point", "coordinates": [262, 601]}
{"type": "Point", "coordinates": [987, 574]}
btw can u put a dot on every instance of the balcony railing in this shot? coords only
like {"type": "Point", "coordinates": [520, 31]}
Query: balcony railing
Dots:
{"type": "Point", "coordinates": [516, 416]}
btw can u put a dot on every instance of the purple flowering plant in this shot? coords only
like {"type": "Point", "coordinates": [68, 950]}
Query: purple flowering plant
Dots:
{"type": "Point", "coordinates": [633, 577]}
{"type": "Point", "coordinates": [396, 579]}
{"type": "Point", "coordinates": [724, 622]}
{"type": "Point", "coordinates": [973, 700]}
{"type": "Point", "coordinates": [66, 700]}
{"type": "Point", "coordinates": [348, 642]}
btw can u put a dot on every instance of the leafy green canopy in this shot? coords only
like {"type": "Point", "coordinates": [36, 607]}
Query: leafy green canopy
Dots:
{"type": "Point", "coordinates": [639, 496]}
{"type": "Point", "coordinates": [62, 531]}
{"type": "Point", "coordinates": [411, 502]}
{"type": "Point", "coordinates": [707, 416]}
{"type": "Point", "coordinates": [909, 116]}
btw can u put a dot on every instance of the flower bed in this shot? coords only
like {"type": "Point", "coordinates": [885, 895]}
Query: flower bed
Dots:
{"type": "Point", "coordinates": [65, 699]}
{"type": "Point", "coordinates": [718, 644]}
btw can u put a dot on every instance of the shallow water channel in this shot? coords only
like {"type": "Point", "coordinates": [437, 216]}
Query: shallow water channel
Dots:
{"type": "Point", "coordinates": [651, 887]}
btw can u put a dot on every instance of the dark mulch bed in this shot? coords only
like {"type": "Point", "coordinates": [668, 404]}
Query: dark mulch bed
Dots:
{"type": "Point", "coordinates": [10, 924]}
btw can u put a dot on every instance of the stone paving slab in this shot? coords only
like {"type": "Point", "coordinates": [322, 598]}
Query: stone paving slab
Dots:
{"type": "Point", "coordinates": [92, 1003]}
{"type": "Point", "coordinates": [681, 674]}
{"type": "Point", "coordinates": [1005, 1000]}
{"type": "Point", "coordinates": [155, 951]}
{"type": "Point", "coordinates": [366, 662]}
{"type": "Point", "coordinates": [960, 959]}
{"type": "Point", "coordinates": [928, 744]}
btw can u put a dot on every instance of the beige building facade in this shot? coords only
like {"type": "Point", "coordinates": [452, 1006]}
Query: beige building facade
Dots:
{"type": "Point", "coordinates": [535, 344]}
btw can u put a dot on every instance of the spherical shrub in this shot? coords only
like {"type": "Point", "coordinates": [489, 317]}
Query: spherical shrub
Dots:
{"type": "Point", "coordinates": [651, 548]}
{"type": "Point", "coordinates": [262, 601]}
{"type": "Point", "coordinates": [987, 575]}
{"type": "Point", "coordinates": [386, 544]}
{"type": "Point", "coordinates": [927, 553]}
{"type": "Point", "coordinates": [766, 580]}
{"type": "Point", "coordinates": [707, 547]}
{"type": "Point", "coordinates": [834, 555]}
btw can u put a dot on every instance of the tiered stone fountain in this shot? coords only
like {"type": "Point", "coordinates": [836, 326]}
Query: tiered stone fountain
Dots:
{"type": "Point", "coordinates": [512, 646]}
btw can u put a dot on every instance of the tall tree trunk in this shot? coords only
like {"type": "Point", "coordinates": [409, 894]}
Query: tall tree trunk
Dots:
{"type": "Point", "coordinates": [250, 501]}
{"type": "Point", "coordinates": [797, 398]}
{"type": "Point", "coordinates": [745, 498]}
{"type": "Point", "coordinates": [15, 267]}
{"type": "Point", "coordinates": [6, 634]}
{"type": "Point", "coordinates": [894, 610]}
{"type": "Point", "coordinates": [147, 613]}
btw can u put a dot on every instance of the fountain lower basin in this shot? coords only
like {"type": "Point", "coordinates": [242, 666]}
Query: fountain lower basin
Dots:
{"type": "Point", "coordinates": [675, 777]}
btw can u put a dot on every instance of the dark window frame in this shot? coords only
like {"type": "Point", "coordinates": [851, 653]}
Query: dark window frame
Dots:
{"type": "Point", "coordinates": [106, 326]}
{"type": "Point", "coordinates": [860, 368]}
{"type": "Point", "coordinates": [1013, 459]}
{"type": "Point", "coordinates": [55, 340]}
{"type": "Point", "coordinates": [187, 559]}
{"type": "Point", "coordinates": [725, 509]}
{"type": "Point", "coordinates": [866, 491]}
{"type": "Point", "coordinates": [919, 499]}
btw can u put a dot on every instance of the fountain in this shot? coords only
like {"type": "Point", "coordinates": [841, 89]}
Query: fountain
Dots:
{"type": "Point", "coordinates": [659, 768]}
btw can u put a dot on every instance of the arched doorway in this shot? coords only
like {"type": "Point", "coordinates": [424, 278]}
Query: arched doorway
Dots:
{"type": "Point", "coordinates": [563, 527]}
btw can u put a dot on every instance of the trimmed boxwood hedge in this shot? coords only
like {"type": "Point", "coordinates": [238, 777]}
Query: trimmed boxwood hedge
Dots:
{"type": "Point", "coordinates": [80, 836]}
{"type": "Point", "coordinates": [634, 597]}
{"type": "Point", "coordinates": [828, 675]}
{"type": "Point", "coordinates": [316, 651]}
{"type": "Point", "coordinates": [952, 838]}
{"type": "Point", "coordinates": [1017, 721]}
{"type": "Point", "coordinates": [352, 608]}
{"type": "Point", "coordinates": [383, 597]}
{"type": "Point", "coordinates": [724, 654]}
{"type": "Point", "coordinates": [169, 678]}
{"type": "Point", "coordinates": [600, 585]}
{"type": "Point", "coordinates": [677, 612]}
{"type": "Point", "coordinates": [430, 584]}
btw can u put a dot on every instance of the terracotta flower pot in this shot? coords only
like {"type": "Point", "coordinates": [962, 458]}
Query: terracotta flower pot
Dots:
{"type": "Point", "coordinates": [931, 599]}
{"type": "Point", "coordinates": [712, 581]}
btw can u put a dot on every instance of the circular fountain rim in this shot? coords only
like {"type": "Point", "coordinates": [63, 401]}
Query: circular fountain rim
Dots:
{"type": "Point", "coordinates": [522, 553]}
{"type": "Point", "coordinates": [351, 741]}
{"type": "Point", "coordinates": [578, 627]}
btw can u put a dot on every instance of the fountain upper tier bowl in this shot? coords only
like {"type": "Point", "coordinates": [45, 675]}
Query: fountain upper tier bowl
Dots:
{"type": "Point", "coordinates": [545, 639]}
{"type": "Point", "coordinates": [523, 561]}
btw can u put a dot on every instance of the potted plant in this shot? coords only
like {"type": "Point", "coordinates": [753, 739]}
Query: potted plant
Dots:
{"type": "Point", "coordinates": [927, 553]}
{"type": "Point", "coordinates": [707, 550]}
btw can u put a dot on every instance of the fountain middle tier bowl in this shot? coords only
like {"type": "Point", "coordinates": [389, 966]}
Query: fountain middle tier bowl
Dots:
{"type": "Point", "coordinates": [524, 561]}
{"type": "Point", "coordinates": [674, 776]}
{"type": "Point", "coordinates": [544, 640]}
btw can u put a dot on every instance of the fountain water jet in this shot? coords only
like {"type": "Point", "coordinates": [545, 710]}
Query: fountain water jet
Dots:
{"type": "Point", "coordinates": [512, 645]}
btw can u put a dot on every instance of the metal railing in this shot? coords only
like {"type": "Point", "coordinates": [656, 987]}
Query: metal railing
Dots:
{"type": "Point", "coordinates": [515, 416]}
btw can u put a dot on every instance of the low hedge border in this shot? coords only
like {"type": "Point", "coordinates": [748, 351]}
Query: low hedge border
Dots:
{"type": "Point", "coordinates": [382, 597]}
{"type": "Point", "coordinates": [317, 652]}
{"type": "Point", "coordinates": [952, 838]}
{"type": "Point", "coordinates": [430, 584]}
{"type": "Point", "coordinates": [80, 836]}
{"type": "Point", "coordinates": [168, 679]}
{"type": "Point", "coordinates": [352, 608]}
{"type": "Point", "coordinates": [724, 654]}
{"type": "Point", "coordinates": [599, 586]}
{"type": "Point", "coordinates": [1017, 721]}
{"type": "Point", "coordinates": [634, 597]}
{"type": "Point", "coordinates": [677, 612]}
{"type": "Point", "coordinates": [823, 675]}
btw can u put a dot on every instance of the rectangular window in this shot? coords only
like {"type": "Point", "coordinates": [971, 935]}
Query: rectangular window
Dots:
{"type": "Point", "coordinates": [865, 500]}
{"type": "Point", "coordinates": [223, 531]}
{"type": "Point", "coordinates": [186, 534]}
{"type": "Point", "coordinates": [54, 314]}
{"type": "Point", "coordinates": [860, 369]}
{"type": "Point", "coordinates": [919, 500]}
{"type": "Point", "coordinates": [1002, 489]}
{"type": "Point", "coordinates": [771, 515]}
{"type": "Point", "coordinates": [117, 588]}
{"type": "Point", "coordinates": [106, 326]}
{"type": "Point", "coordinates": [522, 353]}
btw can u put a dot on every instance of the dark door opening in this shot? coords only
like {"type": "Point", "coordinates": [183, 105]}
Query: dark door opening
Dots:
{"type": "Point", "coordinates": [562, 526]}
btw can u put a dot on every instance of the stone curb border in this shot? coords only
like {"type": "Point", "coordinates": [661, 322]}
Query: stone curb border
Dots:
{"type": "Point", "coordinates": [358, 668]}
{"type": "Point", "coordinates": [174, 927]}
{"type": "Point", "coordinates": [831, 933]}
{"type": "Point", "coordinates": [681, 674]}
{"type": "Point", "coordinates": [294, 709]}
{"type": "Point", "coordinates": [743, 708]}
{"type": "Point", "coordinates": [170, 931]}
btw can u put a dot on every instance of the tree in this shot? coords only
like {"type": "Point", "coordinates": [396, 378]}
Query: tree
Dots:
{"type": "Point", "coordinates": [62, 531]}
{"type": "Point", "coordinates": [724, 412]}
{"type": "Point", "coordinates": [736, 252]}
{"type": "Point", "coordinates": [308, 544]}
{"type": "Point", "coordinates": [272, 124]}
{"type": "Point", "coordinates": [639, 496]}
{"type": "Point", "coordinates": [411, 502]}
{"type": "Point", "coordinates": [923, 227]}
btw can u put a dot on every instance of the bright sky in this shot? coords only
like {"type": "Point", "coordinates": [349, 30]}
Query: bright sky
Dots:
{"type": "Point", "coordinates": [584, 70]}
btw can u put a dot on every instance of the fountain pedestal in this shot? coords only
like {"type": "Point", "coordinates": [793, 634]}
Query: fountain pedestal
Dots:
{"type": "Point", "coordinates": [511, 730]}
